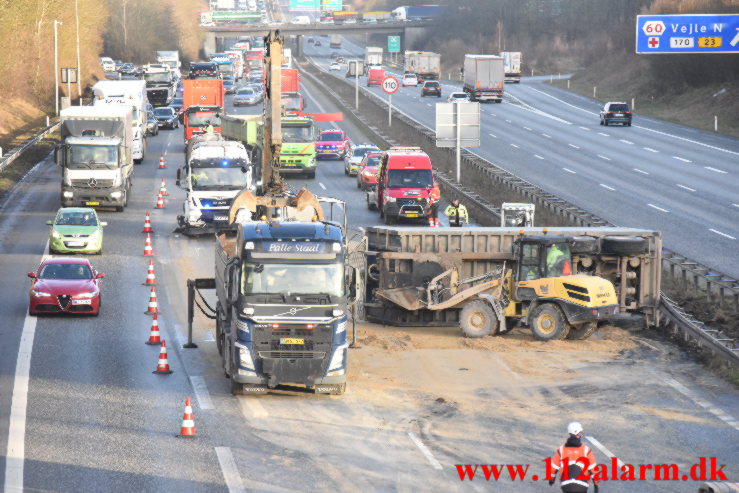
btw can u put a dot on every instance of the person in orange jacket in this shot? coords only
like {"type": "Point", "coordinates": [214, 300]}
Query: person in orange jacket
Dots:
{"type": "Point", "coordinates": [576, 478]}
{"type": "Point", "coordinates": [434, 198]}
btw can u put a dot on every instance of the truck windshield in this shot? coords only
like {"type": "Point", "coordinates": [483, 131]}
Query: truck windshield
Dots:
{"type": "Point", "coordinates": [200, 119]}
{"type": "Point", "coordinates": [409, 178]}
{"type": "Point", "coordinates": [297, 134]}
{"type": "Point", "coordinates": [158, 78]}
{"type": "Point", "coordinates": [254, 63]}
{"type": "Point", "coordinates": [226, 68]}
{"type": "Point", "coordinates": [291, 102]}
{"type": "Point", "coordinates": [217, 178]}
{"type": "Point", "coordinates": [293, 279]}
{"type": "Point", "coordinates": [88, 156]}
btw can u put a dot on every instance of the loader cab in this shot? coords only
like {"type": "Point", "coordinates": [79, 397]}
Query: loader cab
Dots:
{"type": "Point", "coordinates": [541, 257]}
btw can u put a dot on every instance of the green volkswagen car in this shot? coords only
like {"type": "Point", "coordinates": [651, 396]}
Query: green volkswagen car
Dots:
{"type": "Point", "coordinates": [76, 230]}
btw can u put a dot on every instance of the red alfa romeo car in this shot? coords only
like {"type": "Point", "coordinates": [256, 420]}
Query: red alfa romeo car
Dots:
{"type": "Point", "coordinates": [65, 285]}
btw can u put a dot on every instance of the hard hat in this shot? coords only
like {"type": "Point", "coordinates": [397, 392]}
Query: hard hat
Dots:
{"type": "Point", "coordinates": [574, 428]}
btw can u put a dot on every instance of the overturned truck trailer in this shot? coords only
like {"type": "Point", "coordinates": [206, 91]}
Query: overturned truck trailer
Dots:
{"type": "Point", "coordinates": [403, 262]}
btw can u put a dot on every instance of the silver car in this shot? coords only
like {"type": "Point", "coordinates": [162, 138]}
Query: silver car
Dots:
{"type": "Point", "coordinates": [246, 96]}
{"type": "Point", "coordinates": [354, 157]}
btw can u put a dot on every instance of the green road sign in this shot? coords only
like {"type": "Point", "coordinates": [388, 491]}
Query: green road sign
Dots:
{"type": "Point", "coordinates": [332, 5]}
{"type": "Point", "coordinates": [313, 5]}
{"type": "Point", "coordinates": [393, 44]}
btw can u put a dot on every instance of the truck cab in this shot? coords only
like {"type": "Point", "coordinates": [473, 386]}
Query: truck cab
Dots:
{"type": "Point", "coordinates": [203, 101]}
{"type": "Point", "coordinates": [160, 84]}
{"type": "Point", "coordinates": [128, 93]}
{"type": "Point", "coordinates": [375, 75]}
{"type": "Point", "coordinates": [298, 154]}
{"type": "Point", "coordinates": [517, 215]}
{"type": "Point", "coordinates": [406, 187]}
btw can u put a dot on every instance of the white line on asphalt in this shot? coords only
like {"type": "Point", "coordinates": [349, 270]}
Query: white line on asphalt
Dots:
{"type": "Point", "coordinates": [604, 157]}
{"type": "Point", "coordinates": [735, 205]}
{"type": "Point", "coordinates": [16, 452]}
{"type": "Point", "coordinates": [570, 171]}
{"type": "Point", "coordinates": [428, 104]}
{"type": "Point", "coordinates": [527, 128]}
{"type": "Point", "coordinates": [658, 208]}
{"type": "Point", "coordinates": [626, 141]}
{"type": "Point", "coordinates": [493, 114]}
{"type": "Point", "coordinates": [685, 188]}
{"type": "Point", "coordinates": [538, 156]}
{"type": "Point", "coordinates": [603, 449]}
{"type": "Point", "coordinates": [641, 171]}
{"type": "Point", "coordinates": [722, 234]}
{"type": "Point", "coordinates": [565, 102]}
{"type": "Point", "coordinates": [607, 187]}
{"type": "Point", "coordinates": [322, 185]}
{"type": "Point", "coordinates": [716, 170]}
{"type": "Point", "coordinates": [508, 121]}
{"type": "Point", "coordinates": [719, 413]}
{"type": "Point", "coordinates": [573, 146]}
{"type": "Point", "coordinates": [252, 408]}
{"type": "Point", "coordinates": [504, 365]}
{"type": "Point", "coordinates": [425, 451]}
{"type": "Point", "coordinates": [650, 149]}
{"type": "Point", "coordinates": [230, 473]}
{"type": "Point", "coordinates": [547, 136]}
{"type": "Point", "coordinates": [682, 159]}
{"type": "Point", "coordinates": [514, 145]}
{"type": "Point", "coordinates": [585, 128]}
{"type": "Point", "coordinates": [603, 134]}
{"type": "Point", "coordinates": [201, 392]}
{"type": "Point", "coordinates": [493, 136]}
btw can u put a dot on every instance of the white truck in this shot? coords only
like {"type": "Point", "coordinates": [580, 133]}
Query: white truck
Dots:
{"type": "Point", "coordinates": [512, 66]}
{"type": "Point", "coordinates": [161, 86]}
{"type": "Point", "coordinates": [216, 171]}
{"type": "Point", "coordinates": [95, 156]}
{"type": "Point", "coordinates": [425, 64]}
{"type": "Point", "coordinates": [484, 77]}
{"type": "Point", "coordinates": [126, 93]}
{"type": "Point", "coordinates": [172, 60]}
{"type": "Point", "coordinates": [107, 64]}
{"type": "Point", "coordinates": [373, 56]}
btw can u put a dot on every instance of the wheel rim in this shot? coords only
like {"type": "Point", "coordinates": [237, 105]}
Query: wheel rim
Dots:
{"type": "Point", "coordinates": [546, 324]}
{"type": "Point", "coordinates": [477, 320]}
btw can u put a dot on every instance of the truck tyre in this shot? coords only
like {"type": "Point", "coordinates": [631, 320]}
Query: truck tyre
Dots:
{"type": "Point", "coordinates": [582, 331]}
{"type": "Point", "coordinates": [236, 388]}
{"type": "Point", "coordinates": [477, 319]}
{"type": "Point", "coordinates": [584, 244]}
{"type": "Point", "coordinates": [119, 208]}
{"type": "Point", "coordinates": [624, 245]}
{"type": "Point", "coordinates": [311, 174]}
{"type": "Point", "coordinates": [548, 323]}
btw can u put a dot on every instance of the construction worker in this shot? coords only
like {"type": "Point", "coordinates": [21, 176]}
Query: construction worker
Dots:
{"type": "Point", "coordinates": [457, 214]}
{"type": "Point", "coordinates": [435, 197]}
{"type": "Point", "coordinates": [208, 127]}
{"type": "Point", "coordinates": [554, 257]}
{"type": "Point", "coordinates": [574, 479]}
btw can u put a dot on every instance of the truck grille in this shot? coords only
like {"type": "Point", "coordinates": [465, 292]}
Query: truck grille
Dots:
{"type": "Point", "coordinates": [92, 183]}
{"type": "Point", "coordinates": [292, 354]}
{"type": "Point", "coordinates": [316, 342]}
{"type": "Point", "coordinates": [402, 202]}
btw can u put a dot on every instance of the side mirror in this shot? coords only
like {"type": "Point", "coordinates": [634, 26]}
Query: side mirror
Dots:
{"type": "Point", "coordinates": [99, 275]}
{"type": "Point", "coordinates": [49, 223]}
{"type": "Point", "coordinates": [32, 275]}
{"type": "Point", "coordinates": [103, 223]}
{"type": "Point", "coordinates": [305, 103]}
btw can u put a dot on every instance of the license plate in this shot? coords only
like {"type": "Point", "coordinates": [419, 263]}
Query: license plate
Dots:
{"type": "Point", "coordinates": [411, 215]}
{"type": "Point", "coordinates": [82, 302]}
{"type": "Point", "coordinates": [220, 218]}
{"type": "Point", "coordinates": [619, 114]}
{"type": "Point", "coordinates": [92, 203]}
{"type": "Point", "coordinates": [290, 165]}
{"type": "Point", "coordinates": [291, 340]}
{"type": "Point", "coordinates": [75, 243]}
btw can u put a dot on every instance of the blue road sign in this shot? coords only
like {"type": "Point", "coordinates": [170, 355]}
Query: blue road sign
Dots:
{"type": "Point", "coordinates": [692, 33]}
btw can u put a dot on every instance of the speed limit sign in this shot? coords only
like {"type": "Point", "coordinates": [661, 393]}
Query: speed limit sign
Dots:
{"type": "Point", "coordinates": [653, 28]}
{"type": "Point", "coordinates": [390, 85]}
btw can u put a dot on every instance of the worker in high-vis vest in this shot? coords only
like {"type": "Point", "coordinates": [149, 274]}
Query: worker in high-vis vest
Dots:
{"type": "Point", "coordinates": [574, 463]}
{"type": "Point", "coordinates": [457, 214]}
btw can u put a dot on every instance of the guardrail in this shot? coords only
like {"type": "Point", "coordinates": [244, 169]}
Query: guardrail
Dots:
{"type": "Point", "coordinates": [17, 151]}
{"type": "Point", "coordinates": [695, 275]}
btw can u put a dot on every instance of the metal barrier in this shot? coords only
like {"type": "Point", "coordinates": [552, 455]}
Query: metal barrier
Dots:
{"type": "Point", "coordinates": [17, 151]}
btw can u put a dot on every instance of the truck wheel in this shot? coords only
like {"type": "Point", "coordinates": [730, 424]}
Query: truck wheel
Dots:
{"type": "Point", "coordinates": [236, 388]}
{"type": "Point", "coordinates": [583, 244]}
{"type": "Point", "coordinates": [311, 174]}
{"type": "Point", "coordinates": [624, 245]}
{"type": "Point", "coordinates": [477, 319]}
{"type": "Point", "coordinates": [582, 331]}
{"type": "Point", "coordinates": [119, 208]}
{"type": "Point", "coordinates": [548, 323]}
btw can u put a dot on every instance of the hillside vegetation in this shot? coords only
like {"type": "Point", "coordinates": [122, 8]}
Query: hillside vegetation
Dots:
{"type": "Point", "coordinates": [127, 29]}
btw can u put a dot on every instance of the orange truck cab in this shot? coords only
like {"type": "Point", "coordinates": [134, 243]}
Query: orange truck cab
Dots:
{"type": "Point", "coordinates": [406, 187]}
{"type": "Point", "coordinates": [202, 103]}
{"type": "Point", "coordinates": [375, 76]}
{"type": "Point", "coordinates": [292, 100]}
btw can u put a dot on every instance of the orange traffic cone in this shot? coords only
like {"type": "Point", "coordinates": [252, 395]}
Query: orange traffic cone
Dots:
{"type": "Point", "coordinates": [154, 334]}
{"type": "Point", "coordinates": [151, 279]}
{"type": "Point", "coordinates": [163, 188]}
{"type": "Point", "coordinates": [148, 250]}
{"type": "Point", "coordinates": [188, 425]}
{"type": "Point", "coordinates": [161, 162]}
{"type": "Point", "coordinates": [147, 224]}
{"type": "Point", "coordinates": [153, 306]}
{"type": "Point", "coordinates": [163, 365]}
{"type": "Point", "coordinates": [160, 201]}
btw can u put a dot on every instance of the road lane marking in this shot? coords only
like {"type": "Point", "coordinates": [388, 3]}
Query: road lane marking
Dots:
{"type": "Point", "coordinates": [493, 114]}
{"type": "Point", "coordinates": [201, 392]}
{"type": "Point", "coordinates": [252, 408]}
{"type": "Point", "coordinates": [682, 159]}
{"type": "Point", "coordinates": [658, 208]}
{"type": "Point", "coordinates": [230, 473]}
{"type": "Point", "coordinates": [641, 171]}
{"type": "Point", "coordinates": [547, 136]}
{"type": "Point", "coordinates": [16, 451]}
{"type": "Point", "coordinates": [735, 205]}
{"type": "Point", "coordinates": [685, 188]}
{"type": "Point", "coordinates": [719, 413]}
{"type": "Point", "coordinates": [573, 146]}
{"type": "Point", "coordinates": [508, 121]}
{"type": "Point", "coordinates": [322, 185]}
{"type": "Point", "coordinates": [428, 104]}
{"type": "Point", "coordinates": [716, 170]}
{"type": "Point", "coordinates": [603, 134]}
{"type": "Point", "coordinates": [650, 149]}
{"type": "Point", "coordinates": [570, 171]}
{"type": "Point", "coordinates": [527, 128]}
{"type": "Point", "coordinates": [538, 156]}
{"type": "Point", "coordinates": [493, 136]}
{"type": "Point", "coordinates": [604, 157]}
{"type": "Point", "coordinates": [425, 451]}
{"type": "Point", "coordinates": [514, 145]}
{"type": "Point", "coordinates": [722, 234]}
{"type": "Point", "coordinates": [585, 128]}
{"type": "Point", "coordinates": [626, 141]}
{"type": "Point", "coordinates": [607, 187]}
{"type": "Point", "coordinates": [603, 449]}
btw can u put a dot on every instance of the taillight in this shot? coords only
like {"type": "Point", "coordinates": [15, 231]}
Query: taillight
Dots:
{"type": "Point", "coordinates": [628, 112]}
{"type": "Point", "coordinates": [610, 112]}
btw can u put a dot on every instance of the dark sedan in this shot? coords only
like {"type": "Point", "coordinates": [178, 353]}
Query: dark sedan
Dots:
{"type": "Point", "coordinates": [166, 117]}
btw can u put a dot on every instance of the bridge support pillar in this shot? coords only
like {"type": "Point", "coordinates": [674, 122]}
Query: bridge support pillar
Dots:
{"type": "Point", "coordinates": [299, 45]}
{"type": "Point", "coordinates": [209, 44]}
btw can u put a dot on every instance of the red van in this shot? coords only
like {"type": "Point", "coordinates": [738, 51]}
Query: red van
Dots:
{"type": "Point", "coordinates": [375, 76]}
{"type": "Point", "coordinates": [406, 187]}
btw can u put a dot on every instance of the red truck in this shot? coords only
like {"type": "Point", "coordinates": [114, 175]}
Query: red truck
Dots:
{"type": "Point", "coordinates": [292, 101]}
{"type": "Point", "coordinates": [202, 101]}
{"type": "Point", "coordinates": [255, 60]}
{"type": "Point", "coordinates": [375, 76]}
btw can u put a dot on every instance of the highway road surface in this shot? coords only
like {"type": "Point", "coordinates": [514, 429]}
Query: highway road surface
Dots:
{"type": "Point", "coordinates": [80, 409]}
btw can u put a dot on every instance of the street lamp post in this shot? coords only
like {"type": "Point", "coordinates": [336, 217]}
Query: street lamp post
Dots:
{"type": "Point", "coordinates": [56, 66]}
{"type": "Point", "coordinates": [79, 65]}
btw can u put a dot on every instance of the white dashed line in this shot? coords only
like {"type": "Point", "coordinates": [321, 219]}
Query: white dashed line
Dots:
{"type": "Point", "coordinates": [514, 145]}
{"type": "Point", "coordinates": [584, 128]}
{"type": "Point", "coordinates": [570, 171]}
{"type": "Point", "coordinates": [428, 104]}
{"type": "Point", "coordinates": [650, 149]}
{"type": "Point", "coordinates": [493, 136]}
{"type": "Point", "coordinates": [547, 136]}
{"type": "Point", "coordinates": [626, 141]}
{"type": "Point", "coordinates": [322, 185]}
{"type": "Point", "coordinates": [658, 208]}
{"type": "Point", "coordinates": [716, 170]}
{"type": "Point", "coordinates": [508, 121]}
{"type": "Point", "coordinates": [722, 234]}
{"type": "Point", "coordinates": [605, 451]}
{"type": "Point", "coordinates": [719, 413]}
{"type": "Point", "coordinates": [685, 188]}
{"type": "Point", "coordinates": [607, 187]}
{"type": "Point", "coordinates": [527, 128]}
{"type": "Point", "coordinates": [604, 157]}
{"type": "Point", "coordinates": [603, 134]}
{"type": "Point", "coordinates": [573, 146]}
{"type": "Point", "coordinates": [201, 392]}
{"type": "Point", "coordinates": [252, 408]}
{"type": "Point", "coordinates": [641, 171]}
{"type": "Point", "coordinates": [230, 472]}
{"type": "Point", "coordinates": [735, 205]}
{"type": "Point", "coordinates": [539, 157]}
{"type": "Point", "coordinates": [682, 159]}
{"type": "Point", "coordinates": [425, 451]}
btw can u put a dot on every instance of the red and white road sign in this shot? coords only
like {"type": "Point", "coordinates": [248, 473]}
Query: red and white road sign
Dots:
{"type": "Point", "coordinates": [653, 42]}
{"type": "Point", "coordinates": [654, 28]}
{"type": "Point", "coordinates": [390, 85]}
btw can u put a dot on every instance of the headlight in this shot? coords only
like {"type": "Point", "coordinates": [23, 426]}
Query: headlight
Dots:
{"type": "Point", "coordinates": [245, 358]}
{"type": "Point", "coordinates": [91, 294]}
{"type": "Point", "coordinates": [337, 360]}
{"type": "Point", "coordinates": [40, 294]}
{"type": "Point", "coordinates": [115, 195]}
{"type": "Point", "coordinates": [55, 234]}
{"type": "Point", "coordinates": [389, 199]}
{"type": "Point", "coordinates": [68, 195]}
